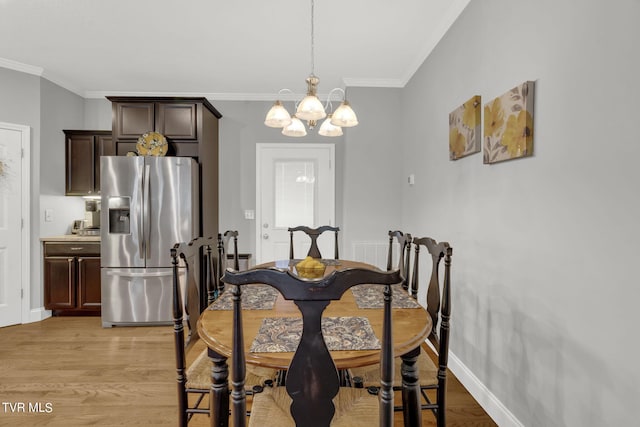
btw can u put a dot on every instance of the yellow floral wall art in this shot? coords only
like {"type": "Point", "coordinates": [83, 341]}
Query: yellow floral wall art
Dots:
{"type": "Point", "coordinates": [464, 129]}
{"type": "Point", "coordinates": [508, 125]}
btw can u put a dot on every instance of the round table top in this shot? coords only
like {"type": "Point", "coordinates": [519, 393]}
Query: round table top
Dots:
{"type": "Point", "coordinates": [411, 326]}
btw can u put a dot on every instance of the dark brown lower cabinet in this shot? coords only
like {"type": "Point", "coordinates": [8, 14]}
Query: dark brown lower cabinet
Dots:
{"type": "Point", "coordinates": [72, 278]}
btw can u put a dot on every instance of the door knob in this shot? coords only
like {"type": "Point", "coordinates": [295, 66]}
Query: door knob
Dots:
{"type": "Point", "coordinates": [265, 236]}
{"type": "Point", "coordinates": [265, 225]}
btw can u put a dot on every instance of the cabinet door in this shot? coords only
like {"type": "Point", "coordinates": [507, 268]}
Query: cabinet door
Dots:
{"type": "Point", "coordinates": [133, 119]}
{"type": "Point", "coordinates": [80, 165]}
{"type": "Point", "coordinates": [59, 283]}
{"type": "Point", "coordinates": [177, 121]}
{"type": "Point", "coordinates": [104, 147]}
{"type": "Point", "coordinates": [89, 283]}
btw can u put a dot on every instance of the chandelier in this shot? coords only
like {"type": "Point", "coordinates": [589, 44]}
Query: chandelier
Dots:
{"type": "Point", "coordinates": [310, 108]}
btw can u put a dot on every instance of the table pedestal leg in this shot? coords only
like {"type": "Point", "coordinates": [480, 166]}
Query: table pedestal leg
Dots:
{"type": "Point", "coordinates": [219, 399]}
{"type": "Point", "coordinates": [411, 407]}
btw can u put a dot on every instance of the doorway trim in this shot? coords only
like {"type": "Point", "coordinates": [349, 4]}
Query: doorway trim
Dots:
{"type": "Point", "coordinates": [25, 233]}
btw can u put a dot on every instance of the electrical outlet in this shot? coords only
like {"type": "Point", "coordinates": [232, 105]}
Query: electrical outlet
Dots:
{"type": "Point", "coordinates": [48, 215]}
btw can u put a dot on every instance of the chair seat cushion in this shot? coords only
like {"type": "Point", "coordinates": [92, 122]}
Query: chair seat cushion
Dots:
{"type": "Point", "coordinates": [354, 408]}
{"type": "Point", "coordinates": [427, 372]}
{"type": "Point", "coordinates": [199, 373]}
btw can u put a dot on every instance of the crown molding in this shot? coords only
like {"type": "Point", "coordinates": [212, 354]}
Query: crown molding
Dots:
{"type": "Point", "coordinates": [270, 97]}
{"type": "Point", "coordinates": [19, 66]}
{"type": "Point", "coordinates": [209, 95]}
{"type": "Point", "coordinates": [63, 83]}
{"type": "Point", "coordinates": [390, 83]}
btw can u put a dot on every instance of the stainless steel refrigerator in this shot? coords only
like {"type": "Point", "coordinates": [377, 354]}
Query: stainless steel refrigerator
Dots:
{"type": "Point", "coordinates": [148, 205]}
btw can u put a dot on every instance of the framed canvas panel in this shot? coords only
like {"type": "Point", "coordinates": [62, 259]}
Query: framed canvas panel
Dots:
{"type": "Point", "coordinates": [464, 129]}
{"type": "Point", "coordinates": [508, 125]}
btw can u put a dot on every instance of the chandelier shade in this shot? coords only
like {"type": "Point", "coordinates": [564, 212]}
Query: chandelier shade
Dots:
{"type": "Point", "coordinates": [327, 129]}
{"type": "Point", "coordinates": [344, 116]}
{"type": "Point", "coordinates": [295, 128]}
{"type": "Point", "coordinates": [278, 116]}
{"type": "Point", "coordinates": [310, 108]}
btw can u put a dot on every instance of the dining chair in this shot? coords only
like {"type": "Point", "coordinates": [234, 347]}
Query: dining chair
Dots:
{"type": "Point", "coordinates": [194, 380]}
{"type": "Point", "coordinates": [404, 245]}
{"type": "Point", "coordinates": [312, 395]}
{"type": "Point", "coordinates": [432, 377]}
{"type": "Point", "coordinates": [313, 233]}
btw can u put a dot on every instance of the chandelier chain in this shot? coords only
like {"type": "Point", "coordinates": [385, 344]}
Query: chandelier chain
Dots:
{"type": "Point", "coordinates": [312, 39]}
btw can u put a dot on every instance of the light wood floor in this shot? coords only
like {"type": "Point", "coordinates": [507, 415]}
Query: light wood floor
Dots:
{"type": "Point", "coordinates": [69, 371]}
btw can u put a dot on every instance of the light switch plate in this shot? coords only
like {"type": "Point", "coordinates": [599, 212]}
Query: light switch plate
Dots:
{"type": "Point", "coordinates": [48, 215]}
{"type": "Point", "coordinates": [249, 214]}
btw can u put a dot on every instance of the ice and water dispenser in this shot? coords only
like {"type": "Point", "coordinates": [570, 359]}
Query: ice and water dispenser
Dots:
{"type": "Point", "coordinates": [119, 215]}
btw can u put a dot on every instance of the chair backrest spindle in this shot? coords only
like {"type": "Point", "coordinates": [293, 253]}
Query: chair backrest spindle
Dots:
{"type": "Point", "coordinates": [223, 247]}
{"type": "Point", "coordinates": [404, 243]}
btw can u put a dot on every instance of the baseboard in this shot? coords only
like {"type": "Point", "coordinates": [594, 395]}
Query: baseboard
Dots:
{"type": "Point", "coordinates": [38, 314]}
{"type": "Point", "coordinates": [490, 403]}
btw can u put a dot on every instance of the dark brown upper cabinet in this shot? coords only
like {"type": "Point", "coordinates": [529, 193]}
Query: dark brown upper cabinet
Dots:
{"type": "Point", "coordinates": [132, 119]}
{"type": "Point", "coordinates": [173, 120]}
{"type": "Point", "coordinates": [83, 149]}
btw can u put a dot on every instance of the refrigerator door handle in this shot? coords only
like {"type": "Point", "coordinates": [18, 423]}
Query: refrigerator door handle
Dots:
{"type": "Point", "coordinates": [147, 219]}
{"type": "Point", "coordinates": [141, 246]}
{"type": "Point", "coordinates": [141, 274]}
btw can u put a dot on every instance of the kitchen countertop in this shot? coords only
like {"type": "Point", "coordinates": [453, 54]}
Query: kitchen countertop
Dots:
{"type": "Point", "coordinates": [70, 238]}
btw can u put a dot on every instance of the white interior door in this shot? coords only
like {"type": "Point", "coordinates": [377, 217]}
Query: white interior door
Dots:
{"type": "Point", "coordinates": [13, 240]}
{"type": "Point", "coordinates": [295, 186]}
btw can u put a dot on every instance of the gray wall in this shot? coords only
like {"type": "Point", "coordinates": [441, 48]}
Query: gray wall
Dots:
{"type": "Point", "coordinates": [367, 200]}
{"type": "Point", "coordinates": [60, 109]}
{"type": "Point", "coordinates": [240, 129]}
{"type": "Point", "coordinates": [544, 288]}
{"type": "Point", "coordinates": [20, 104]}
{"type": "Point", "coordinates": [373, 170]}
{"type": "Point", "coordinates": [367, 159]}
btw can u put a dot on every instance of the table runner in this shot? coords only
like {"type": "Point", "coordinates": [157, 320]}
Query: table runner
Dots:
{"type": "Point", "coordinates": [371, 296]}
{"type": "Point", "coordinates": [254, 297]}
{"type": "Point", "coordinates": [282, 334]}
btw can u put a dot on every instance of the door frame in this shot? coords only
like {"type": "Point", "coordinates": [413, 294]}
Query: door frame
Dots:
{"type": "Point", "coordinates": [25, 234]}
{"type": "Point", "coordinates": [290, 146]}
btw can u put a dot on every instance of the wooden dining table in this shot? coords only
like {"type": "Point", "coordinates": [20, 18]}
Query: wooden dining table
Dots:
{"type": "Point", "coordinates": [411, 326]}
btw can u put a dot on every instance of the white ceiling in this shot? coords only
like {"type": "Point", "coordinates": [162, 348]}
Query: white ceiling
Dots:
{"type": "Point", "coordinates": [225, 50]}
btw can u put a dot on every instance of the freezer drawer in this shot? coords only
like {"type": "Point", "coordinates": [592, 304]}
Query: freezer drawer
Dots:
{"type": "Point", "coordinates": [133, 296]}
